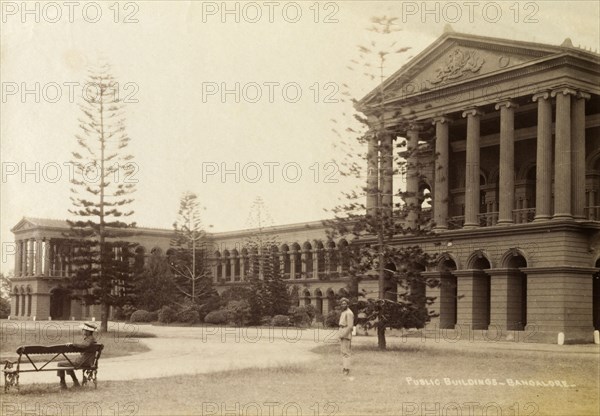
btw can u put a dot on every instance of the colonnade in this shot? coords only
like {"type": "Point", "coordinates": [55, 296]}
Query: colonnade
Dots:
{"type": "Point", "coordinates": [41, 257]}
{"type": "Point", "coordinates": [296, 263]}
{"type": "Point", "coordinates": [567, 167]}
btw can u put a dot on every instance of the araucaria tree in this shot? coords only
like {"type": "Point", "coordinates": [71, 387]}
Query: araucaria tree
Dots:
{"type": "Point", "coordinates": [385, 237]}
{"type": "Point", "coordinates": [269, 293]}
{"type": "Point", "coordinates": [100, 196]}
{"type": "Point", "coordinates": [189, 254]}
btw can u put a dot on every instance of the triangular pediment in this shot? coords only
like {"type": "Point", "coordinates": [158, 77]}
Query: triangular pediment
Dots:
{"type": "Point", "coordinates": [456, 58]}
{"type": "Point", "coordinates": [23, 225]}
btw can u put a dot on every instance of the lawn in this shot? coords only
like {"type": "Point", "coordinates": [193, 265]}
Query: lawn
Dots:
{"type": "Point", "coordinates": [417, 379]}
{"type": "Point", "coordinates": [117, 342]}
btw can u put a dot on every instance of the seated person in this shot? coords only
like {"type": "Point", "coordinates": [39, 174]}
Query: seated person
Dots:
{"type": "Point", "coordinates": [85, 358]}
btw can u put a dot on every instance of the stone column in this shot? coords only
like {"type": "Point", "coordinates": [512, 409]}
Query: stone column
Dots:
{"type": "Point", "coordinates": [387, 172]}
{"type": "Point", "coordinates": [46, 257]}
{"type": "Point", "coordinates": [18, 259]}
{"type": "Point", "coordinates": [412, 176]}
{"type": "Point", "coordinates": [562, 155]}
{"type": "Point", "coordinates": [507, 161]}
{"type": "Point", "coordinates": [372, 175]}
{"type": "Point", "coordinates": [440, 199]}
{"type": "Point", "coordinates": [578, 154]}
{"type": "Point", "coordinates": [30, 257]}
{"type": "Point", "coordinates": [472, 185]}
{"type": "Point", "coordinates": [473, 303]}
{"type": "Point", "coordinates": [38, 256]}
{"type": "Point", "coordinates": [543, 175]}
{"type": "Point", "coordinates": [24, 254]}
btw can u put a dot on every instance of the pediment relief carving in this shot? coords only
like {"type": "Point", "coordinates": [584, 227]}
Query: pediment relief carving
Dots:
{"type": "Point", "coordinates": [454, 64]}
{"type": "Point", "coordinates": [459, 62]}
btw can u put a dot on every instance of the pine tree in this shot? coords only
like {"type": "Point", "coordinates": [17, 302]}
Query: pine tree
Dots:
{"type": "Point", "coordinates": [376, 233]}
{"type": "Point", "coordinates": [189, 254]}
{"type": "Point", "coordinates": [270, 295]}
{"type": "Point", "coordinates": [101, 185]}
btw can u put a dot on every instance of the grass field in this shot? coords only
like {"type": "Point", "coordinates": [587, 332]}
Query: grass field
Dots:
{"type": "Point", "coordinates": [399, 381]}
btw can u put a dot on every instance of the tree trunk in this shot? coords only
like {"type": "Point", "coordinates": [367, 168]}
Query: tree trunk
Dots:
{"type": "Point", "coordinates": [104, 317]}
{"type": "Point", "coordinates": [381, 337]}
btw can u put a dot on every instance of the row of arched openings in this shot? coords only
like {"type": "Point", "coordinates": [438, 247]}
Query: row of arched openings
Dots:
{"type": "Point", "coordinates": [311, 260]}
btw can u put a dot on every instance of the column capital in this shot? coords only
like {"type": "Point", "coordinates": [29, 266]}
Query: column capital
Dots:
{"type": "Point", "coordinates": [507, 104]}
{"type": "Point", "coordinates": [473, 112]}
{"type": "Point", "coordinates": [414, 127]}
{"type": "Point", "coordinates": [563, 91]}
{"type": "Point", "coordinates": [583, 95]}
{"type": "Point", "coordinates": [441, 120]}
{"type": "Point", "coordinates": [544, 95]}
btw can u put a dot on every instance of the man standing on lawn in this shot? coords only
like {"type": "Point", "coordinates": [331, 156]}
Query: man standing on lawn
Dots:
{"type": "Point", "coordinates": [345, 334]}
{"type": "Point", "coordinates": [85, 358]}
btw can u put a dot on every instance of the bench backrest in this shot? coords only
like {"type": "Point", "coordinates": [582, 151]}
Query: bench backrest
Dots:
{"type": "Point", "coordinates": [27, 350]}
{"type": "Point", "coordinates": [57, 349]}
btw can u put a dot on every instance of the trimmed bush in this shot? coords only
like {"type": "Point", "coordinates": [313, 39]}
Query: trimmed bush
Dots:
{"type": "Point", "coordinates": [123, 313]}
{"type": "Point", "coordinates": [266, 320]}
{"type": "Point", "coordinates": [332, 320]}
{"type": "Point", "coordinates": [167, 314]}
{"type": "Point", "coordinates": [143, 316]}
{"type": "Point", "coordinates": [238, 312]}
{"type": "Point", "coordinates": [280, 320]}
{"type": "Point", "coordinates": [299, 317]}
{"type": "Point", "coordinates": [218, 317]}
{"type": "Point", "coordinates": [188, 316]}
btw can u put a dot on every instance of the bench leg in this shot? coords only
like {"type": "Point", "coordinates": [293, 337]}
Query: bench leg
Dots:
{"type": "Point", "coordinates": [11, 380]}
{"type": "Point", "coordinates": [89, 375]}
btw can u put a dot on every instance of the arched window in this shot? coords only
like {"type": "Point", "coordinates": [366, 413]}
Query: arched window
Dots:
{"type": "Point", "coordinates": [320, 258]}
{"type": "Point", "coordinates": [219, 264]}
{"type": "Point", "coordinates": [308, 260]}
{"type": "Point", "coordinates": [333, 257]}
{"type": "Point", "coordinates": [344, 255]}
{"type": "Point", "coordinates": [236, 265]}
{"type": "Point", "coordinates": [227, 265]}
{"type": "Point", "coordinates": [285, 255]}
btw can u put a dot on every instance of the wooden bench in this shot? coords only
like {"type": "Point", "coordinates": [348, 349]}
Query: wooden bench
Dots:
{"type": "Point", "coordinates": [11, 372]}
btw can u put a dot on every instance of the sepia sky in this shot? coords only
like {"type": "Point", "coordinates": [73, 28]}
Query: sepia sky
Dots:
{"type": "Point", "coordinates": [173, 59]}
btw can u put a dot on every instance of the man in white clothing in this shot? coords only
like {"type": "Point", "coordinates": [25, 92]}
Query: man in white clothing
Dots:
{"type": "Point", "coordinates": [345, 334]}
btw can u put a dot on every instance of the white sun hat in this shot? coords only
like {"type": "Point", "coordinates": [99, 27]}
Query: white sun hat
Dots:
{"type": "Point", "coordinates": [88, 326]}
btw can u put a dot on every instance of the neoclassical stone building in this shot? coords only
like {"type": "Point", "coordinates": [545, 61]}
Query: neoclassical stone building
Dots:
{"type": "Point", "coordinates": [509, 139]}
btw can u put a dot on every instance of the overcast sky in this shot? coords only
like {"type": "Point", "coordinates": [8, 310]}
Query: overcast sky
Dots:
{"type": "Point", "coordinates": [173, 60]}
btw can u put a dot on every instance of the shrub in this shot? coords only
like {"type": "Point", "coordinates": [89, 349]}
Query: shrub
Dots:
{"type": "Point", "coordinates": [153, 316]}
{"type": "Point", "coordinates": [123, 313]}
{"type": "Point", "coordinates": [218, 317]}
{"type": "Point", "coordinates": [311, 311]}
{"type": "Point", "coordinates": [332, 320]}
{"type": "Point", "coordinates": [280, 320]}
{"type": "Point", "coordinates": [143, 316]}
{"type": "Point", "coordinates": [188, 316]}
{"type": "Point", "coordinates": [266, 320]}
{"type": "Point", "coordinates": [299, 317]}
{"type": "Point", "coordinates": [238, 312]}
{"type": "Point", "coordinates": [167, 314]}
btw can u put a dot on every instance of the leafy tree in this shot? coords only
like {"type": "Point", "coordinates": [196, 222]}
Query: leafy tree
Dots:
{"type": "Point", "coordinates": [100, 197]}
{"type": "Point", "coordinates": [375, 230]}
{"type": "Point", "coordinates": [153, 287]}
{"type": "Point", "coordinates": [188, 257]}
{"type": "Point", "coordinates": [4, 296]}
